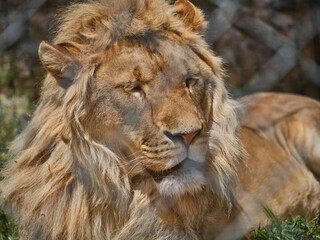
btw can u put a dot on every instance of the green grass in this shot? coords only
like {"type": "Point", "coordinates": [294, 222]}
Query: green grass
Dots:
{"type": "Point", "coordinates": [11, 122]}
{"type": "Point", "coordinates": [8, 229]}
{"type": "Point", "coordinates": [293, 228]}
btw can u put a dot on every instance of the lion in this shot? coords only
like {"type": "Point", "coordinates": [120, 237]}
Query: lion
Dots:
{"type": "Point", "coordinates": [136, 137]}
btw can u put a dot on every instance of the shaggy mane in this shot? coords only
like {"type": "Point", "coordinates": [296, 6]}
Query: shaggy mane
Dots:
{"type": "Point", "coordinates": [62, 184]}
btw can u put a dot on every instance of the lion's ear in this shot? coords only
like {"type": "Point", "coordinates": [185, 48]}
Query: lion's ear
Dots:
{"type": "Point", "coordinates": [59, 62]}
{"type": "Point", "coordinates": [191, 16]}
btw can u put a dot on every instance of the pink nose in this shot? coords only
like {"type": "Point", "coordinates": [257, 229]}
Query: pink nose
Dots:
{"type": "Point", "coordinates": [187, 138]}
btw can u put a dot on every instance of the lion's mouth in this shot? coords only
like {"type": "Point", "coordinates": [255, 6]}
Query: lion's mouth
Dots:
{"type": "Point", "coordinates": [158, 176]}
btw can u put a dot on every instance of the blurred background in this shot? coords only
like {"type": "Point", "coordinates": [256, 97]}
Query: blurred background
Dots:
{"type": "Point", "coordinates": [267, 45]}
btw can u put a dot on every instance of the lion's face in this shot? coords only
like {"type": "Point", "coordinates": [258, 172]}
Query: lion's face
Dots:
{"type": "Point", "coordinates": [153, 107]}
{"type": "Point", "coordinates": [151, 97]}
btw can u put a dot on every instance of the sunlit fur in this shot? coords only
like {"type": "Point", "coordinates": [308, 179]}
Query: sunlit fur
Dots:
{"type": "Point", "coordinates": [63, 183]}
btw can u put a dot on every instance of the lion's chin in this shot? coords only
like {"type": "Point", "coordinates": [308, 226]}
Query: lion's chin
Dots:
{"type": "Point", "coordinates": [187, 177]}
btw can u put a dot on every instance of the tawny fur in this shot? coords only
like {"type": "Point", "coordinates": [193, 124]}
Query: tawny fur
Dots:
{"type": "Point", "coordinates": [78, 171]}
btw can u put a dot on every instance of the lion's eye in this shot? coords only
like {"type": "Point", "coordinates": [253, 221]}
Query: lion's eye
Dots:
{"type": "Point", "coordinates": [138, 92]}
{"type": "Point", "coordinates": [191, 82]}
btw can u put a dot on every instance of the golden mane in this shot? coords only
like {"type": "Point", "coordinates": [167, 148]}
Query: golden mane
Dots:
{"type": "Point", "coordinates": [64, 185]}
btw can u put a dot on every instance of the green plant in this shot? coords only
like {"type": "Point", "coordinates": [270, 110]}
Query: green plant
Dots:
{"type": "Point", "coordinates": [8, 70]}
{"type": "Point", "coordinates": [12, 121]}
{"type": "Point", "coordinates": [8, 229]}
{"type": "Point", "coordinates": [293, 228]}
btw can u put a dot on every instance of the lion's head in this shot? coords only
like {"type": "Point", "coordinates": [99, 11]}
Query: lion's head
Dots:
{"type": "Point", "coordinates": [134, 102]}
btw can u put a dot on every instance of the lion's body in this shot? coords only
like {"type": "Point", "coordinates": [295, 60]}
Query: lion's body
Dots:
{"type": "Point", "coordinates": [135, 136]}
{"type": "Point", "coordinates": [281, 135]}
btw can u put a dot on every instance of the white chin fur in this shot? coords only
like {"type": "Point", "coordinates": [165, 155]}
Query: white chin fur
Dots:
{"type": "Point", "coordinates": [186, 180]}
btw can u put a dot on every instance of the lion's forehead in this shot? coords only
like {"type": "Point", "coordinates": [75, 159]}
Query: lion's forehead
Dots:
{"type": "Point", "coordinates": [136, 62]}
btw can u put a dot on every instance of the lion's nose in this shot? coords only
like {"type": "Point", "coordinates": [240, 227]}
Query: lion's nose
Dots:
{"type": "Point", "coordinates": [188, 137]}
